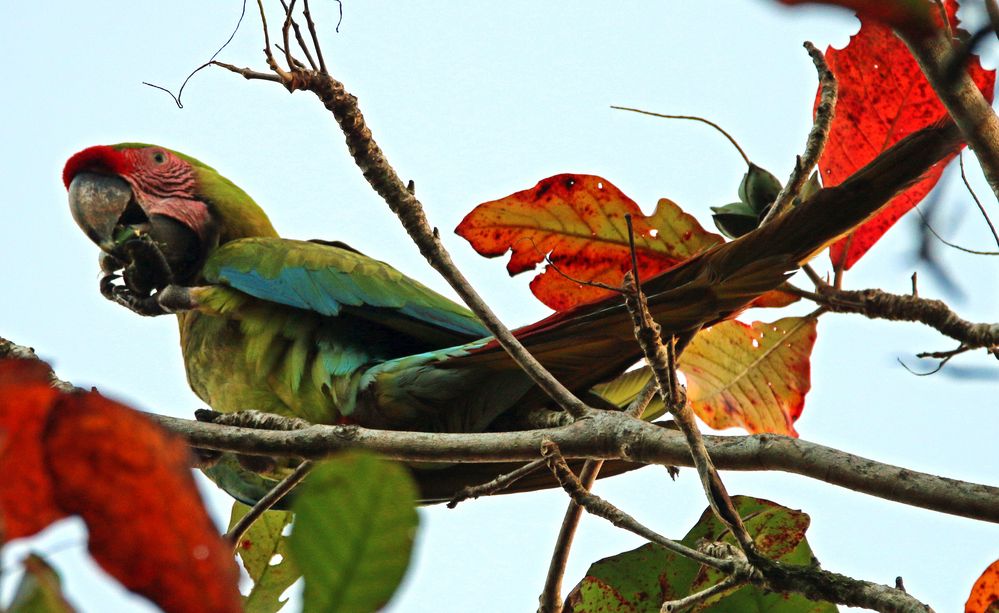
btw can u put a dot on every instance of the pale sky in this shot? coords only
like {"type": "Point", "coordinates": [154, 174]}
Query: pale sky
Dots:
{"type": "Point", "coordinates": [475, 101]}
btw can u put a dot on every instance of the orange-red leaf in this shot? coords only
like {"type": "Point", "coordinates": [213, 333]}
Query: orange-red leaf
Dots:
{"type": "Point", "coordinates": [80, 453]}
{"type": "Point", "coordinates": [774, 299]}
{"type": "Point", "coordinates": [578, 221]}
{"type": "Point", "coordinates": [883, 97]}
{"type": "Point", "coordinates": [754, 377]}
{"type": "Point", "coordinates": [984, 596]}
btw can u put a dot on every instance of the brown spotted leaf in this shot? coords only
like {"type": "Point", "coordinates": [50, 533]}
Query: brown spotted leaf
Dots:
{"type": "Point", "coordinates": [984, 596]}
{"type": "Point", "coordinates": [578, 221]}
{"type": "Point", "coordinates": [638, 581]}
{"type": "Point", "coordinates": [750, 376]}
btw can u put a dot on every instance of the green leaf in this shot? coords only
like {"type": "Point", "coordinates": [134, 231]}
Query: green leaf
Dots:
{"type": "Point", "coordinates": [258, 550]}
{"type": "Point", "coordinates": [355, 519]}
{"type": "Point", "coordinates": [735, 219]}
{"type": "Point", "coordinates": [640, 580]}
{"type": "Point", "coordinates": [40, 590]}
{"type": "Point", "coordinates": [759, 188]}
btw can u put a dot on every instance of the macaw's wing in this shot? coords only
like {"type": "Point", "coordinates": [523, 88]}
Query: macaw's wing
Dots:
{"type": "Point", "coordinates": [334, 280]}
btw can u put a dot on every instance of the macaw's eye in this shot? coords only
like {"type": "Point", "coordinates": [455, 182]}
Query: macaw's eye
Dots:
{"type": "Point", "coordinates": [159, 157]}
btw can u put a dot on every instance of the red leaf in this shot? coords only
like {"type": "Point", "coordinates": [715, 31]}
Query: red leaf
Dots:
{"type": "Point", "coordinates": [912, 15]}
{"type": "Point", "coordinates": [883, 97]}
{"type": "Point", "coordinates": [984, 596]}
{"type": "Point", "coordinates": [579, 221]}
{"type": "Point", "coordinates": [130, 481]}
{"type": "Point", "coordinates": [27, 503]}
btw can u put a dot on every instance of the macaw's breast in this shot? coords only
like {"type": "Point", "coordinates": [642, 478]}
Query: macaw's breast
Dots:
{"type": "Point", "coordinates": [280, 360]}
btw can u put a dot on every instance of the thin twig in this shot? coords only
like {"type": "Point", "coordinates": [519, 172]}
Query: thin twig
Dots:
{"type": "Point", "coordinates": [690, 118]}
{"type": "Point", "coordinates": [299, 38]}
{"type": "Point", "coordinates": [601, 508]}
{"type": "Point", "coordinates": [315, 37]}
{"type": "Point", "coordinates": [550, 600]}
{"type": "Point", "coordinates": [642, 400]}
{"type": "Point", "coordinates": [932, 230]}
{"type": "Point", "coordinates": [498, 484]}
{"type": "Point", "coordinates": [816, 279]}
{"type": "Point", "coordinates": [817, 137]}
{"type": "Point", "coordinates": [180, 92]}
{"type": "Point", "coordinates": [981, 207]}
{"type": "Point", "coordinates": [662, 362]}
{"type": "Point", "coordinates": [674, 606]}
{"type": "Point", "coordinates": [235, 535]}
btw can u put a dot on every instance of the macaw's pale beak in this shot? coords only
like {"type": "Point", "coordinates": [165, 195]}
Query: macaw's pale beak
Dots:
{"type": "Point", "coordinates": [98, 202]}
{"type": "Point", "coordinates": [154, 250]}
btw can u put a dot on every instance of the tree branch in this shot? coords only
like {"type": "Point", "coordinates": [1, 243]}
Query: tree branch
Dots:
{"type": "Point", "coordinates": [817, 137]}
{"type": "Point", "coordinates": [878, 304]}
{"type": "Point", "coordinates": [612, 435]}
{"type": "Point", "coordinates": [551, 596]}
{"type": "Point", "coordinates": [971, 111]}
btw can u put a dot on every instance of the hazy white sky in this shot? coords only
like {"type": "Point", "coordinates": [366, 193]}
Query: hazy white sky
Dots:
{"type": "Point", "coordinates": [475, 101]}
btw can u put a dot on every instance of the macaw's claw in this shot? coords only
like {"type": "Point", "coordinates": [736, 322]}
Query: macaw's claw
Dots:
{"type": "Point", "coordinates": [143, 305]}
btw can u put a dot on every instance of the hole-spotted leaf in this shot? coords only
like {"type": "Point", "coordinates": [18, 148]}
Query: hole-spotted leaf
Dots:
{"type": "Point", "coordinates": [883, 97]}
{"type": "Point", "coordinates": [578, 221]}
{"type": "Point", "coordinates": [264, 552]}
{"type": "Point", "coordinates": [752, 376]}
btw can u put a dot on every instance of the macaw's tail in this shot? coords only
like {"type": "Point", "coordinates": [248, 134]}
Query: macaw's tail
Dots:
{"type": "Point", "coordinates": [477, 386]}
{"type": "Point", "coordinates": [594, 342]}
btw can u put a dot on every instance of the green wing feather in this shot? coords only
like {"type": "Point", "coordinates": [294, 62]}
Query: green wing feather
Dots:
{"type": "Point", "coordinates": [330, 280]}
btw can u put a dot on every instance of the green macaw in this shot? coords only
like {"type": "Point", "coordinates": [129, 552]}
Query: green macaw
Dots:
{"type": "Point", "coordinates": [319, 331]}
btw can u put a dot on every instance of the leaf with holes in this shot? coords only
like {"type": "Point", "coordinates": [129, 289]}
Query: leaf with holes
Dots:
{"type": "Point", "coordinates": [754, 377]}
{"type": "Point", "coordinates": [578, 222]}
{"type": "Point", "coordinates": [640, 580]}
{"type": "Point", "coordinates": [40, 590]}
{"type": "Point", "coordinates": [127, 478]}
{"type": "Point", "coordinates": [264, 552]}
{"type": "Point", "coordinates": [355, 519]}
{"type": "Point", "coordinates": [984, 596]}
{"type": "Point", "coordinates": [883, 97]}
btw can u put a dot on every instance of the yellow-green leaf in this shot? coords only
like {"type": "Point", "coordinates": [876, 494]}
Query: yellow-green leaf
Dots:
{"type": "Point", "coordinates": [750, 376]}
{"type": "Point", "coordinates": [264, 553]}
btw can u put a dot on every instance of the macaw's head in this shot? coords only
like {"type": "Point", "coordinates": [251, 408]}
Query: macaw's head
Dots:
{"type": "Point", "coordinates": [156, 213]}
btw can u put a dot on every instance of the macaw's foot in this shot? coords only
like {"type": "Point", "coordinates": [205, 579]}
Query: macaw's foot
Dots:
{"type": "Point", "coordinates": [120, 294]}
{"type": "Point", "coordinates": [252, 419]}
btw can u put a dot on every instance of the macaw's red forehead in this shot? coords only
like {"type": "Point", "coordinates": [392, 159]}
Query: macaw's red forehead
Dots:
{"type": "Point", "coordinates": [100, 158]}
